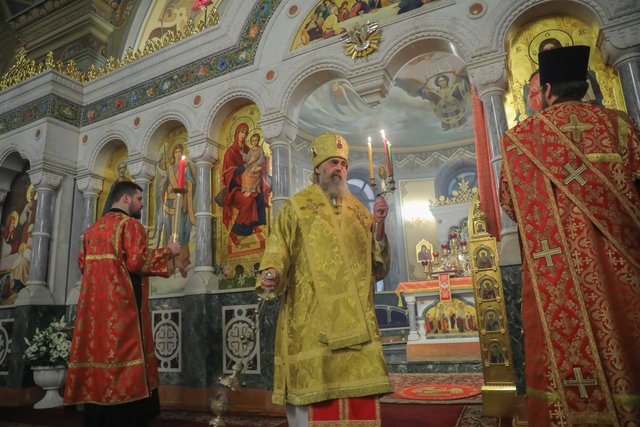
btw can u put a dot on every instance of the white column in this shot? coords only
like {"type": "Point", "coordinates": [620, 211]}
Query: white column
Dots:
{"type": "Point", "coordinates": [490, 78]}
{"type": "Point", "coordinates": [620, 47]}
{"type": "Point", "coordinates": [204, 152]}
{"type": "Point", "coordinates": [142, 171]}
{"type": "Point", "coordinates": [411, 309]}
{"type": "Point", "coordinates": [46, 183]}
{"type": "Point", "coordinates": [279, 132]}
{"type": "Point", "coordinates": [89, 186]}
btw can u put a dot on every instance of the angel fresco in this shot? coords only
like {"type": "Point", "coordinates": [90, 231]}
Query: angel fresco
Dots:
{"type": "Point", "coordinates": [448, 93]}
{"type": "Point", "coordinates": [166, 176]}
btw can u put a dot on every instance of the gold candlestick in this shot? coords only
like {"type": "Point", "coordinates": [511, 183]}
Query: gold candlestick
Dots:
{"type": "Point", "coordinates": [175, 229]}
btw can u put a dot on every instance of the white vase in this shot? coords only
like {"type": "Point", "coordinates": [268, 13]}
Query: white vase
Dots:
{"type": "Point", "coordinates": [51, 379]}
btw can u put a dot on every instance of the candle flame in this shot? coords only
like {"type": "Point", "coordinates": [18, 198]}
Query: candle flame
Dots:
{"type": "Point", "coordinates": [369, 139]}
{"type": "Point", "coordinates": [382, 133]}
{"type": "Point", "coordinates": [184, 157]}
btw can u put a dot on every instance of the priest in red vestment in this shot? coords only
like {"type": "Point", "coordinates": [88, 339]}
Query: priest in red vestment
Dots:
{"type": "Point", "coordinates": [568, 180]}
{"type": "Point", "coordinates": [112, 365]}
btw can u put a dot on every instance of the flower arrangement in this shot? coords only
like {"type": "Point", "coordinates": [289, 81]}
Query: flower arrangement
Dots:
{"type": "Point", "coordinates": [50, 346]}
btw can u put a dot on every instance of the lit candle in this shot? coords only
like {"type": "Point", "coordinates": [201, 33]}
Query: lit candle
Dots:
{"type": "Point", "coordinates": [182, 165]}
{"type": "Point", "coordinates": [386, 151]}
{"type": "Point", "coordinates": [390, 159]}
{"type": "Point", "coordinates": [371, 175]}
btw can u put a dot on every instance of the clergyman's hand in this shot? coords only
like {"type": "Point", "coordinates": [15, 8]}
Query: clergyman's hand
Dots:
{"type": "Point", "coordinates": [269, 278]}
{"type": "Point", "coordinates": [380, 209]}
{"type": "Point", "coordinates": [179, 265]}
{"type": "Point", "coordinates": [175, 248]}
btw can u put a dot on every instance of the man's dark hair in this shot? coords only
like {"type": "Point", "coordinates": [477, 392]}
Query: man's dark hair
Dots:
{"type": "Point", "coordinates": [122, 188]}
{"type": "Point", "coordinates": [570, 89]}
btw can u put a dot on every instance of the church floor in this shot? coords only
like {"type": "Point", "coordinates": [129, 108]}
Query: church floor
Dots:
{"type": "Point", "coordinates": [393, 415]}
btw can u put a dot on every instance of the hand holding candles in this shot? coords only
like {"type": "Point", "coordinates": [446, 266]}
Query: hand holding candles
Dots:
{"type": "Point", "coordinates": [182, 165]}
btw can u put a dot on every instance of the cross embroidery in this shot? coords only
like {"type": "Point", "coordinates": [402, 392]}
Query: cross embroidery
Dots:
{"type": "Point", "coordinates": [581, 382]}
{"type": "Point", "coordinates": [576, 127]}
{"type": "Point", "coordinates": [515, 147]}
{"type": "Point", "coordinates": [311, 206]}
{"type": "Point", "coordinates": [546, 253]}
{"type": "Point", "coordinates": [574, 174]}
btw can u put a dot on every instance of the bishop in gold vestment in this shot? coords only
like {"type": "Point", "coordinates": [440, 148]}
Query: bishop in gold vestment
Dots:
{"type": "Point", "coordinates": [326, 261]}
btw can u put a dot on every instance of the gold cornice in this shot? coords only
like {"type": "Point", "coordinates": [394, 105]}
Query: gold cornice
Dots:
{"type": "Point", "coordinates": [25, 68]}
{"type": "Point", "coordinates": [465, 194]}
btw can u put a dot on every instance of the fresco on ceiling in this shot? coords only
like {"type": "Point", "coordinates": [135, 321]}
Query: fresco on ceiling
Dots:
{"type": "Point", "coordinates": [523, 99]}
{"type": "Point", "coordinates": [18, 216]}
{"type": "Point", "coordinates": [242, 198]}
{"type": "Point", "coordinates": [169, 15]}
{"type": "Point", "coordinates": [333, 17]}
{"type": "Point", "coordinates": [428, 104]}
{"type": "Point", "coordinates": [163, 215]}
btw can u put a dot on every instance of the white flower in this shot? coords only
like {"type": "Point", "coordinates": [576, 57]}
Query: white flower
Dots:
{"type": "Point", "coordinates": [49, 346]}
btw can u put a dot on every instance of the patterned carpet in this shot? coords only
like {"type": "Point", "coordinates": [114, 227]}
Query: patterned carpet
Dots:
{"type": "Point", "coordinates": [405, 380]}
{"type": "Point", "coordinates": [395, 412]}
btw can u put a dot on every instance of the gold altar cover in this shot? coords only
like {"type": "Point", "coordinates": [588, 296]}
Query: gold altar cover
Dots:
{"type": "Point", "coordinates": [340, 353]}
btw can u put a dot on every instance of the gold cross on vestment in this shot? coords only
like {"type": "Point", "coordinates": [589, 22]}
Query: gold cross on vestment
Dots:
{"type": "Point", "coordinates": [546, 253]}
{"type": "Point", "coordinates": [515, 147]}
{"type": "Point", "coordinates": [581, 382]}
{"type": "Point", "coordinates": [574, 174]}
{"type": "Point", "coordinates": [576, 127]}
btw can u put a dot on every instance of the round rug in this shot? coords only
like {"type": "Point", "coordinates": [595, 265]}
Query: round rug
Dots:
{"type": "Point", "coordinates": [437, 392]}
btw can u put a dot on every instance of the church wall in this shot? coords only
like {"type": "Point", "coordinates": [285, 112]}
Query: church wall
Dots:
{"type": "Point", "coordinates": [76, 145]}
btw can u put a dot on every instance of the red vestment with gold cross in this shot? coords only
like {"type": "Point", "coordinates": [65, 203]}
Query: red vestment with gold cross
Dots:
{"type": "Point", "coordinates": [112, 358]}
{"type": "Point", "coordinates": [568, 181]}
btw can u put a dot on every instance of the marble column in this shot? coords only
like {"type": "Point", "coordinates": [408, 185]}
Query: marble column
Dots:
{"type": "Point", "coordinates": [36, 292]}
{"type": "Point", "coordinates": [490, 79]}
{"type": "Point", "coordinates": [3, 197]}
{"type": "Point", "coordinates": [89, 186]}
{"type": "Point", "coordinates": [142, 171]}
{"type": "Point", "coordinates": [620, 48]}
{"type": "Point", "coordinates": [279, 132]}
{"type": "Point", "coordinates": [411, 309]}
{"type": "Point", "coordinates": [204, 152]}
{"type": "Point", "coordinates": [628, 68]}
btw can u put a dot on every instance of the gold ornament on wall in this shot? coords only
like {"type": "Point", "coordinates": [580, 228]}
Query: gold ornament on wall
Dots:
{"type": "Point", "coordinates": [361, 40]}
{"type": "Point", "coordinates": [25, 68]}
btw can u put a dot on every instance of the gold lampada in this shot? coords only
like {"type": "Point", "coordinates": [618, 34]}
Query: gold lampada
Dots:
{"type": "Point", "coordinates": [232, 381]}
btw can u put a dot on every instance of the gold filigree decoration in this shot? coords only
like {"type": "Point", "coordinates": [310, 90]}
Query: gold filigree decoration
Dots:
{"type": "Point", "coordinates": [361, 40]}
{"type": "Point", "coordinates": [25, 68]}
{"type": "Point", "coordinates": [464, 194]}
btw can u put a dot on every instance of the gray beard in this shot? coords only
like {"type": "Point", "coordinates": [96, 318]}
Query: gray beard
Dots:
{"type": "Point", "coordinates": [335, 188]}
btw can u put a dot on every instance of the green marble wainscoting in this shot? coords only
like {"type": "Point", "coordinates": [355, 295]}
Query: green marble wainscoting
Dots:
{"type": "Point", "coordinates": [16, 323]}
{"type": "Point", "coordinates": [198, 338]}
{"type": "Point", "coordinates": [512, 284]}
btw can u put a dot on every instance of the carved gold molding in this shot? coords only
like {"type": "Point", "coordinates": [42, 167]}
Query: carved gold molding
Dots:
{"type": "Point", "coordinates": [465, 194]}
{"type": "Point", "coordinates": [25, 68]}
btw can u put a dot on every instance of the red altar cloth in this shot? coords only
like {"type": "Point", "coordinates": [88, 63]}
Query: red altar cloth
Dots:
{"type": "Point", "coordinates": [431, 285]}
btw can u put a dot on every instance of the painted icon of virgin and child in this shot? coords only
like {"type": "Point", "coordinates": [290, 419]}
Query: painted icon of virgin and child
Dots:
{"type": "Point", "coordinates": [246, 188]}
